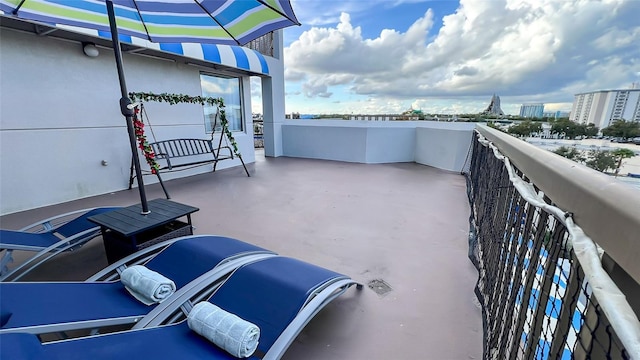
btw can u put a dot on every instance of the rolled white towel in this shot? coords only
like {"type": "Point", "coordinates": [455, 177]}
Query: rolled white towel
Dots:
{"type": "Point", "coordinates": [236, 336]}
{"type": "Point", "coordinates": [147, 285]}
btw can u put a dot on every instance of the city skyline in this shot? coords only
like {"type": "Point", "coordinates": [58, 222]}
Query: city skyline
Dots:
{"type": "Point", "coordinates": [451, 56]}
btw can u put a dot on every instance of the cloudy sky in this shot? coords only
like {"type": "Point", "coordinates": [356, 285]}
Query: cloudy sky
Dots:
{"type": "Point", "coordinates": [385, 56]}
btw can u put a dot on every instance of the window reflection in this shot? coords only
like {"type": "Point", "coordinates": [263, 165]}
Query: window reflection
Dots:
{"type": "Point", "coordinates": [229, 89]}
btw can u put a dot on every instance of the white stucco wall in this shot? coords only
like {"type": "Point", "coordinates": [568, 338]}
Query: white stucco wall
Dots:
{"type": "Point", "coordinates": [439, 144]}
{"type": "Point", "coordinates": [443, 148]}
{"type": "Point", "coordinates": [390, 144]}
{"type": "Point", "coordinates": [312, 139]}
{"type": "Point", "coordinates": [60, 118]}
{"type": "Point", "coordinates": [350, 140]}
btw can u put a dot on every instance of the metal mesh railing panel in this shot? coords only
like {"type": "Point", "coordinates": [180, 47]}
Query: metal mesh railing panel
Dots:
{"type": "Point", "coordinates": [263, 44]}
{"type": "Point", "coordinates": [536, 301]}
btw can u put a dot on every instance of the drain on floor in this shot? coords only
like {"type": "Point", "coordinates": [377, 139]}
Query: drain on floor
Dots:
{"type": "Point", "coordinates": [379, 286]}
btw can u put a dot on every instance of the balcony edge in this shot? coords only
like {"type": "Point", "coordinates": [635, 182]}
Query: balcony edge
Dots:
{"type": "Point", "coordinates": [603, 207]}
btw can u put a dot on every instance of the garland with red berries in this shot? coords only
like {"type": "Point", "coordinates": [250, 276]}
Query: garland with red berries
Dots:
{"type": "Point", "coordinates": [173, 99]}
{"type": "Point", "coordinates": [143, 144]}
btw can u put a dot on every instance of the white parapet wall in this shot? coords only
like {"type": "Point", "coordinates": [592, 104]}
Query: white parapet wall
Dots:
{"type": "Point", "coordinates": [444, 147]}
{"type": "Point", "coordinates": [438, 144]}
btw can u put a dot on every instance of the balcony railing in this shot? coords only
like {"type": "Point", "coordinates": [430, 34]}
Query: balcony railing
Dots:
{"type": "Point", "coordinates": [263, 44]}
{"type": "Point", "coordinates": [544, 291]}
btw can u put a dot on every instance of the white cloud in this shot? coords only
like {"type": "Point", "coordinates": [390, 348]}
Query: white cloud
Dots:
{"type": "Point", "coordinates": [534, 49]}
{"type": "Point", "coordinates": [310, 89]}
{"type": "Point", "coordinates": [213, 88]}
{"type": "Point", "coordinates": [342, 50]}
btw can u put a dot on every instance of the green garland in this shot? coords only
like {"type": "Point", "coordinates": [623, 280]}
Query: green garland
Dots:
{"type": "Point", "coordinates": [174, 99]}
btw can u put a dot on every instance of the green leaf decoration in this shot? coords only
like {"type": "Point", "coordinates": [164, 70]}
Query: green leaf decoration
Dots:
{"type": "Point", "coordinates": [174, 99]}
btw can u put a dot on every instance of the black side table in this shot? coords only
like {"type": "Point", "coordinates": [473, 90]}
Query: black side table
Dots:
{"type": "Point", "coordinates": [126, 230]}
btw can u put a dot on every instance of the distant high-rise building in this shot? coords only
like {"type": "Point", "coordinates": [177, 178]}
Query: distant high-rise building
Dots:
{"type": "Point", "coordinates": [555, 114]}
{"type": "Point", "coordinates": [494, 106]}
{"type": "Point", "coordinates": [532, 110]}
{"type": "Point", "coordinates": [605, 106]}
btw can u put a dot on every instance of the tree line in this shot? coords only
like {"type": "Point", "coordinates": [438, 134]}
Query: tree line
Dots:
{"type": "Point", "coordinates": [571, 130]}
{"type": "Point", "coordinates": [601, 160]}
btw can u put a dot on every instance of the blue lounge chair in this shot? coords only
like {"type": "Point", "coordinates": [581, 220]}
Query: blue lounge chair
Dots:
{"type": "Point", "coordinates": [42, 308]}
{"type": "Point", "coordinates": [280, 295]}
{"type": "Point", "coordinates": [47, 238]}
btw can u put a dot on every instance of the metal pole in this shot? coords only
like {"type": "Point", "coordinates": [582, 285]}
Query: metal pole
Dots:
{"type": "Point", "coordinates": [124, 106]}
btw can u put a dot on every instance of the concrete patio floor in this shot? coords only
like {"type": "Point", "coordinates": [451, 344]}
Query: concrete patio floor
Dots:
{"type": "Point", "coordinates": [405, 223]}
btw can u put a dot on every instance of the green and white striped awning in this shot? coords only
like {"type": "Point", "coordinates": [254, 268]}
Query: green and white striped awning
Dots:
{"type": "Point", "coordinates": [227, 22]}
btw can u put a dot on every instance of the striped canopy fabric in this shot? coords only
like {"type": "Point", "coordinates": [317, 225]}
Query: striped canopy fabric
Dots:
{"type": "Point", "coordinates": [229, 55]}
{"type": "Point", "coordinates": [229, 22]}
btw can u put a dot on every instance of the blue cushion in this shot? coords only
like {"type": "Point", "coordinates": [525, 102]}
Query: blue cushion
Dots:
{"type": "Point", "coordinates": [199, 255]}
{"type": "Point", "coordinates": [81, 223]}
{"type": "Point", "coordinates": [4, 317]}
{"type": "Point", "coordinates": [14, 239]}
{"type": "Point", "coordinates": [270, 293]}
{"type": "Point", "coordinates": [51, 303]}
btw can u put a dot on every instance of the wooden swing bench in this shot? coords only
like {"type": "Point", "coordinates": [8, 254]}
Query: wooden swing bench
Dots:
{"type": "Point", "coordinates": [181, 154]}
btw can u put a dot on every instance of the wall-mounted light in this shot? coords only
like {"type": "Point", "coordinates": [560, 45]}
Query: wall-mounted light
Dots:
{"type": "Point", "coordinates": [90, 49]}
